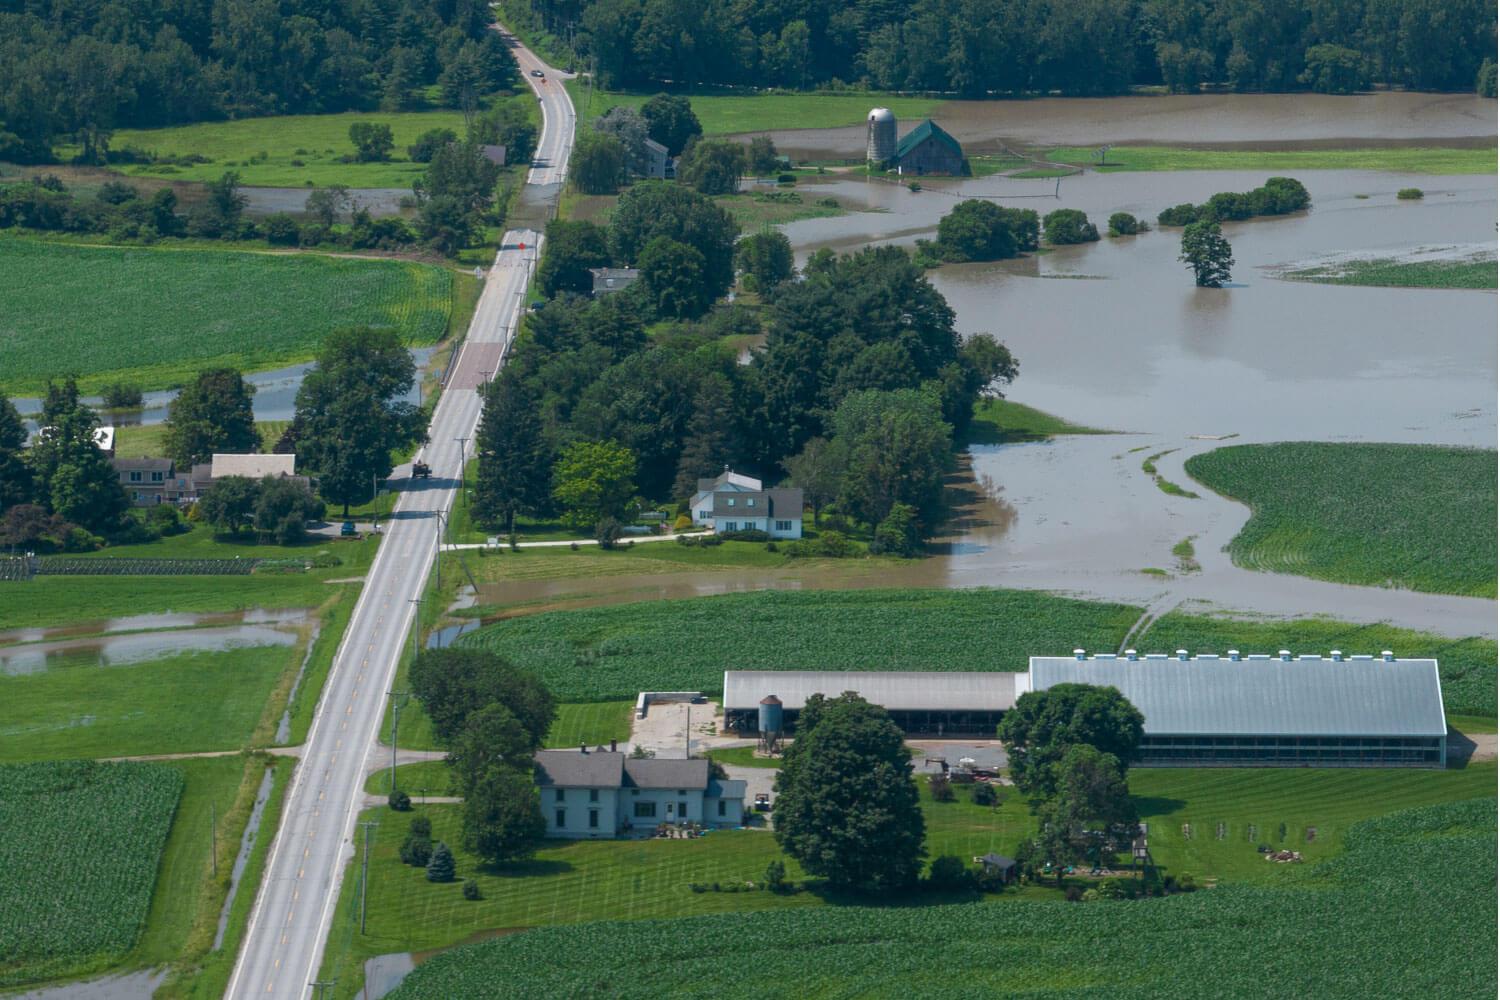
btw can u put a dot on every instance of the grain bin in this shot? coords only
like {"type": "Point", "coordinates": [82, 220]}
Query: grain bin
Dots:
{"type": "Point", "coordinates": [880, 144]}
{"type": "Point", "coordinates": [770, 716]}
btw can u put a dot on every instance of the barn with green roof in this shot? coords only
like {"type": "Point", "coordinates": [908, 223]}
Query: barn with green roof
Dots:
{"type": "Point", "coordinates": [927, 150]}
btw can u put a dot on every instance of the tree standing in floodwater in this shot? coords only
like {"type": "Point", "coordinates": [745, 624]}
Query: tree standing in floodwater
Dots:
{"type": "Point", "coordinates": [1207, 252]}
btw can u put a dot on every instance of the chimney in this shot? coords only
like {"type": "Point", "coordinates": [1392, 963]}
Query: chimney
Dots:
{"type": "Point", "coordinates": [583, 748]}
{"type": "Point", "coordinates": [1338, 656]}
{"type": "Point", "coordinates": [1285, 654]}
{"type": "Point", "coordinates": [1234, 654]}
{"type": "Point", "coordinates": [613, 748]}
{"type": "Point", "coordinates": [1130, 654]}
{"type": "Point", "coordinates": [1387, 655]}
{"type": "Point", "coordinates": [1079, 654]}
{"type": "Point", "coordinates": [1182, 654]}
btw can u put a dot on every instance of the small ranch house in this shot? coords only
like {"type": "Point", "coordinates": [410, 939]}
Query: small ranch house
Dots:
{"type": "Point", "coordinates": [733, 502]}
{"type": "Point", "coordinates": [604, 793]}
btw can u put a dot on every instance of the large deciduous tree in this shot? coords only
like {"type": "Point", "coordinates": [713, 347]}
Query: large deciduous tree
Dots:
{"type": "Point", "coordinates": [598, 164]}
{"type": "Point", "coordinates": [502, 815]}
{"type": "Point", "coordinates": [1206, 253]}
{"type": "Point", "coordinates": [672, 274]}
{"type": "Point", "coordinates": [767, 256]}
{"type": "Point", "coordinates": [593, 480]}
{"type": "Point", "coordinates": [712, 166]}
{"type": "Point", "coordinates": [350, 414]}
{"type": "Point", "coordinates": [1090, 812]}
{"type": "Point", "coordinates": [491, 737]}
{"type": "Point", "coordinates": [1039, 731]}
{"type": "Point", "coordinates": [212, 414]}
{"type": "Point", "coordinates": [572, 249]}
{"type": "Point", "coordinates": [73, 478]}
{"type": "Point", "coordinates": [847, 807]}
{"type": "Point", "coordinates": [658, 208]}
{"type": "Point", "coordinates": [15, 475]}
{"type": "Point", "coordinates": [514, 475]}
{"type": "Point", "coordinates": [671, 121]}
{"type": "Point", "coordinates": [454, 683]}
{"type": "Point", "coordinates": [896, 449]}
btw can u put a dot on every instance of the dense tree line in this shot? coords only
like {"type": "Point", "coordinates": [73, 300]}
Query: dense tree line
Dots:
{"type": "Point", "coordinates": [859, 392]}
{"type": "Point", "coordinates": [980, 47]}
{"type": "Point", "coordinates": [78, 69]}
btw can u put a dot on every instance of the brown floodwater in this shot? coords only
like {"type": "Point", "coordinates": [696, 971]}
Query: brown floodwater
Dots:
{"type": "Point", "coordinates": [136, 647]}
{"type": "Point", "coordinates": [1279, 120]}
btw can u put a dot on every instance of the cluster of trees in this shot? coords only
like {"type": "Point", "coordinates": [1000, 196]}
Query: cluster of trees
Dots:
{"type": "Point", "coordinates": [858, 393]}
{"type": "Point", "coordinates": [1069, 747]}
{"type": "Point", "coordinates": [277, 509]}
{"type": "Point", "coordinates": [982, 230]}
{"type": "Point", "coordinates": [491, 718]}
{"type": "Point", "coordinates": [62, 492]}
{"type": "Point", "coordinates": [1277, 196]}
{"type": "Point", "coordinates": [78, 70]}
{"type": "Point", "coordinates": [980, 47]}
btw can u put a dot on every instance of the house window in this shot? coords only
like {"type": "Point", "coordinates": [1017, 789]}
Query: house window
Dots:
{"type": "Point", "coordinates": [645, 810]}
{"type": "Point", "coordinates": [750, 502]}
{"type": "Point", "coordinates": [560, 795]}
{"type": "Point", "coordinates": [731, 526]}
{"type": "Point", "coordinates": [593, 819]}
{"type": "Point", "coordinates": [156, 477]}
{"type": "Point", "coordinates": [722, 809]}
{"type": "Point", "coordinates": [681, 809]}
{"type": "Point", "coordinates": [681, 792]}
{"type": "Point", "coordinates": [783, 525]}
{"type": "Point", "coordinates": [729, 501]}
{"type": "Point", "coordinates": [562, 818]}
{"type": "Point", "coordinates": [593, 795]}
{"type": "Point", "coordinates": [135, 477]}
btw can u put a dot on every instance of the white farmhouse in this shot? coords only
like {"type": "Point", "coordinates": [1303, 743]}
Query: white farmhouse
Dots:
{"type": "Point", "coordinates": [733, 502]}
{"type": "Point", "coordinates": [604, 793]}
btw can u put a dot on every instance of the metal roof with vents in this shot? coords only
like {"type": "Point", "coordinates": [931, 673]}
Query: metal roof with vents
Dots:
{"type": "Point", "coordinates": [897, 691]}
{"type": "Point", "coordinates": [1264, 695]}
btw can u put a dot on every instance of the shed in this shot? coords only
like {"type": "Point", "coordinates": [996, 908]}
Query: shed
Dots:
{"type": "Point", "coordinates": [999, 864]}
{"type": "Point", "coordinates": [927, 149]}
{"type": "Point", "coordinates": [929, 703]}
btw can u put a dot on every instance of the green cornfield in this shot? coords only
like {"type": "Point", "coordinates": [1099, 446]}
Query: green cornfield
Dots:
{"type": "Point", "coordinates": [1419, 517]}
{"type": "Point", "coordinates": [82, 844]}
{"type": "Point", "coordinates": [615, 652]}
{"type": "Point", "coordinates": [1408, 910]}
{"type": "Point", "coordinates": [1396, 273]}
{"type": "Point", "coordinates": [156, 316]}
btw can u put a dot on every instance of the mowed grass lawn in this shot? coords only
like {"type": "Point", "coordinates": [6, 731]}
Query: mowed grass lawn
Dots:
{"type": "Point", "coordinates": [261, 150]}
{"type": "Point", "coordinates": [1397, 159]}
{"type": "Point", "coordinates": [730, 113]}
{"type": "Point", "coordinates": [156, 316]}
{"type": "Point", "coordinates": [577, 881]}
{"type": "Point", "coordinates": [1409, 516]}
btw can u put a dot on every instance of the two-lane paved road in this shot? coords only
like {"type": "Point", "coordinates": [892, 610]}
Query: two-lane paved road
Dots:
{"type": "Point", "coordinates": [293, 910]}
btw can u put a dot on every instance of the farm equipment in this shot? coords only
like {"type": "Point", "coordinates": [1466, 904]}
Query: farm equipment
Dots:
{"type": "Point", "coordinates": [762, 802]}
{"type": "Point", "coordinates": [421, 470]}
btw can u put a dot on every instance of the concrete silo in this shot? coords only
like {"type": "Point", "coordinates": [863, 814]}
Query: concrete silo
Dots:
{"type": "Point", "coordinates": [880, 138]}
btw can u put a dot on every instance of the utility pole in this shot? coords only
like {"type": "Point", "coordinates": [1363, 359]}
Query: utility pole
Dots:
{"type": "Point", "coordinates": [398, 701]}
{"type": "Point", "coordinates": [416, 623]}
{"type": "Point", "coordinates": [463, 467]}
{"type": "Point", "coordinates": [364, 877]}
{"type": "Point", "coordinates": [321, 984]}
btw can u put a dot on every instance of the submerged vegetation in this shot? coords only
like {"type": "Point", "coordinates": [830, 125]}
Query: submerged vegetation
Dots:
{"type": "Point", "coordinates": [1411, 516]}
{"type": "Point", "coordinates": [1478, 271]}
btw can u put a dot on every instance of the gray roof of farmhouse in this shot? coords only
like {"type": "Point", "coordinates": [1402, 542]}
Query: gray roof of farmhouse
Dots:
{"type": "Point", "coordinates": [575, 769]}
{"type": "Point", "coordinates": [931, 691]}
{"type": "Point", "coordinates": [759, 503]}
{"type": "Point", "coordinates": [656, 772]}
{"type": "Point", "coordinates": [142, 464]}
{"type": "Point", "coordinates": [726, 788]}
{"type": "Point", "coordinates": [1265, 696]}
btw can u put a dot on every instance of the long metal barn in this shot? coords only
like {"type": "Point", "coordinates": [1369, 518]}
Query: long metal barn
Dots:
{"type": "Point", "coordinates": [1259, 710]}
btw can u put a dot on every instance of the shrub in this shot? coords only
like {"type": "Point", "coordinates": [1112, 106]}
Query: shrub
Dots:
{"type": "Point", "coordinates": [786, 179]}
{"type": "Point", "coordinates": [984, 794]}
{"type": "Point", "coordinates": [1068, 225]}
{"type": "Point", "coordinates": [282, 230]}
{"type": "Point", "coordinates": [471, 889]}
{"type": "Point", "coordinates": [949, 874]}
{"type": "Point", "coordinates": [399, 801]}
{"type": "Point", "coordinates": [942, 788]}
{"type": "Point", "coordinates": [1409, 194]}
{"type": "Point", "coordinates": [122, 396]}
{"type": "Point", "coordinates": [1178, 215]}
{"type": "Point", "coordinates": [607, 532]}
{"type": "Point", "coordinates": [776, 876]}
{"type": "Point", "coordinates": [421, 826]}
{"type": "Point", "coordinates": [746, 535]}
{"type": "Point", "coordinates": [416, 851]}
{"type": "Point", "coordinates": [1073, 894]}
{"type": "Point", "coordinates": [1125, 224]}
{"type": "Point", "coordinates": [683, 523]}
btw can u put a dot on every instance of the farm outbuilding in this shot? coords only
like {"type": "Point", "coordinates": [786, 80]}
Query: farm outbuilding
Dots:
{"type": "Point", "coordinates": [1271, 711]}
{"type": "Point", "coordinates": [927, 150]}
{"type": "Point", "coordinates": [922, 703]}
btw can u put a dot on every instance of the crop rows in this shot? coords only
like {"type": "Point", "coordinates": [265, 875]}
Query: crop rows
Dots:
{"type": "Point", "coordinates": [157, 316]}
{"type": "Point", "coordinates": [82, 844]}
{"type": "Point", "coordinates": [1413, 516]}
{"type": "Point", "coordinates": [1409, 910]}
{"type": "Point", "coordinates": [145, 567]}
{"type": "Point", "coordinates": [614, 652]}
{"type": "Point", "coordinates": [1396, 273]}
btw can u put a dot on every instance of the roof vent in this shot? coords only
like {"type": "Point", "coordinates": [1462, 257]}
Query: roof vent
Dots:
{"type": "Point", "coordinates": [1234, 654]}
{"type": "Point", "coordinates": [1387, 655]}
{"type": "Point", "coordinates": [1079, 654]}
{"type": "Point", "coordinates": [1285, 654]}
{"type": "Point", "coordinates": [1130, 654]}
{"type": "Point", "coordinates": [1337, 656]}
{"type": "Point", "coordinates": [1182, 654]}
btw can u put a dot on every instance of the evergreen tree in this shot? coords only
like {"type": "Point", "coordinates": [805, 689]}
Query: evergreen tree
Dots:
{"type": "Point", "coordinates": [514, 461]}
{"type": "Point", "coordinates": [442, 867]}
{"type": "Point", "coordinates": [212, 414]}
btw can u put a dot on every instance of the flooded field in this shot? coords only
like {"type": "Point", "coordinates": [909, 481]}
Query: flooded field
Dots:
{"type": "Point", "coordinates": [1267, 120]}
{"type": "Point", "coordinates": [1114, 335]}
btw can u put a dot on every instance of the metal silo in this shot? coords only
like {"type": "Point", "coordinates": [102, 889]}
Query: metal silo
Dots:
{"type": "Point", "coordinates": [769, 722]}
{"type": "Point", "coordinates": [880, 144]}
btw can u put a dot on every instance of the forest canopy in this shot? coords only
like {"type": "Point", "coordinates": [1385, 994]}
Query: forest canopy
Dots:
{"type": "Point", "coordinates": [980, 47]}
